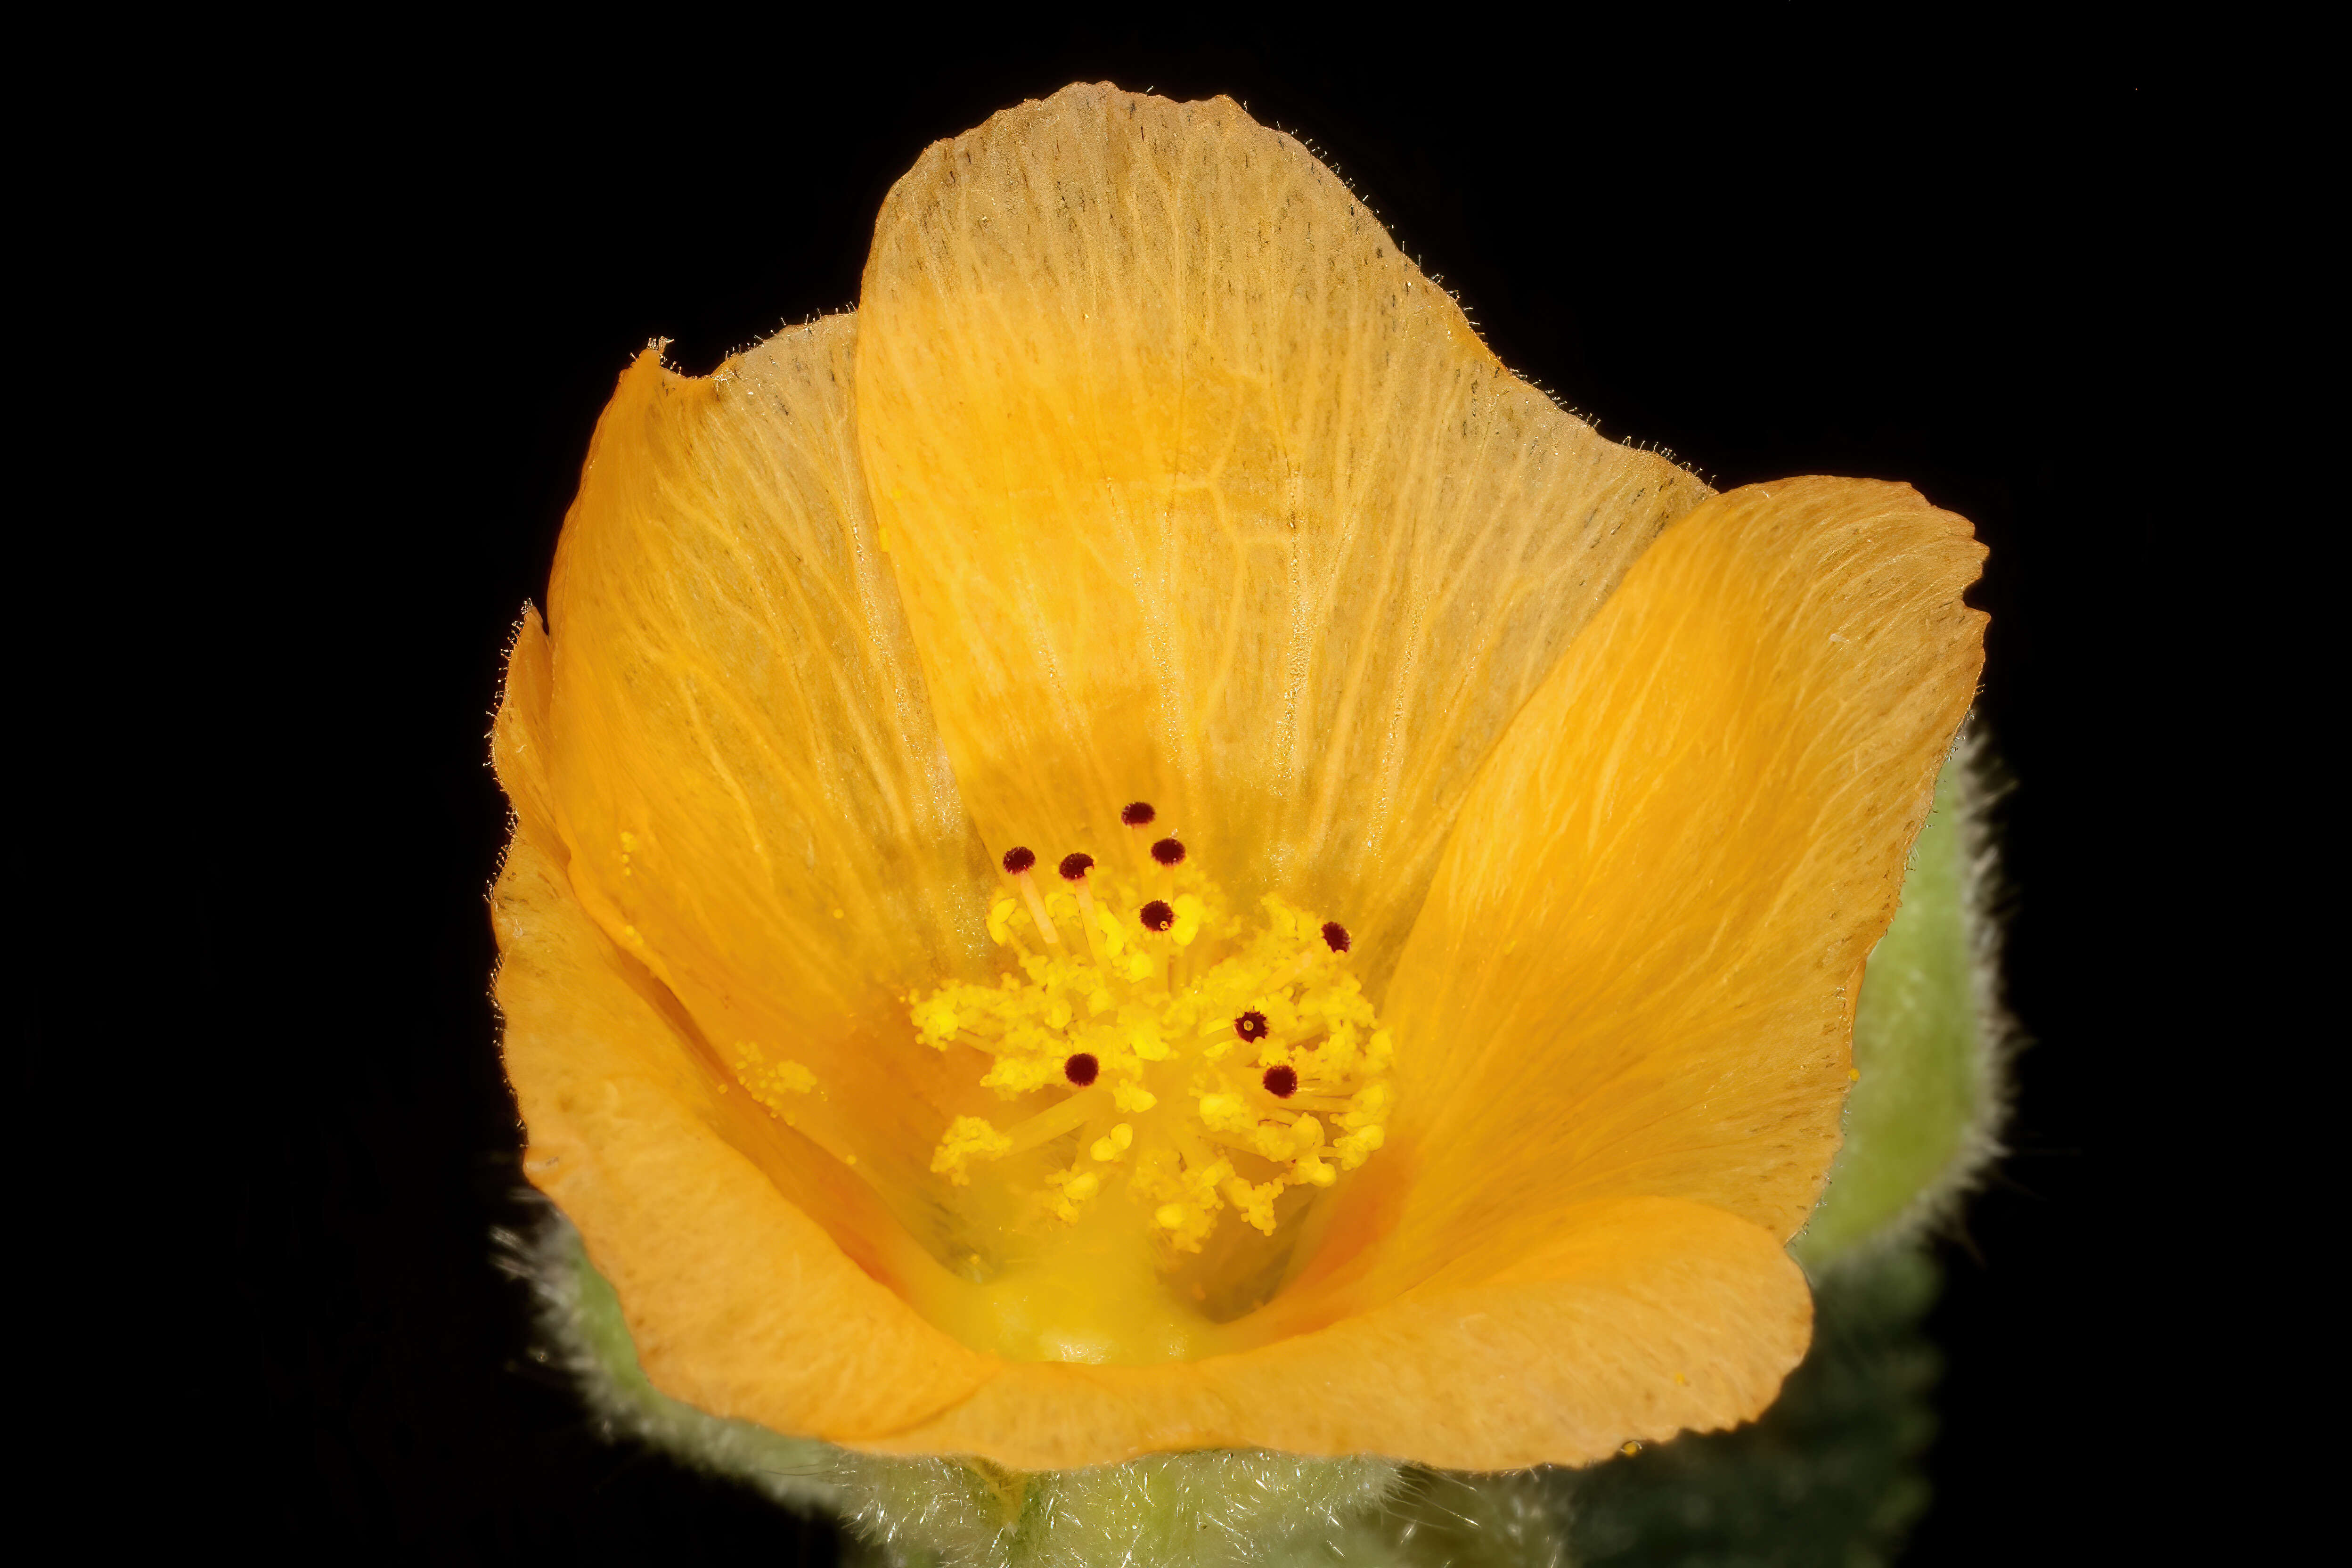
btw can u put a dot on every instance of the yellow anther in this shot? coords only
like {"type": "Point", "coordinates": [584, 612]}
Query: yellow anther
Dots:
{"type": "Point", "coordinates": [1113, 934]}
{"type": "Point", "coordinates": [1123, 1056]}
{"type": "Point", "coordinates": [1254, 1201]}
{"type": "Point", "coordinates": [1188, 913]}
{"type": "Point", "coordinates": [1226, 1113]}
{"type": "Point", "coordinates": [1072, 1189]}
{"type": "Point", "coordinates": [935, 1021]}
{"type": "Point", "coordinates": [1020, 1075]}
{"type": "Point", "coordinates": [1202, 1183]}
{"type": "Point", "coordinates": [968, 1138]}
{"type": "Point", "coordinates": [1355, 1148]}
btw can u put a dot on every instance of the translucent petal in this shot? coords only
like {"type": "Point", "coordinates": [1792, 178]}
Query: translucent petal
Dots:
{"type": "Point", "coordinates": [1199, 492]}
{"type": "Point", "coordinates": [1636, 971]}
{"type": "Point", "coordinates": [728, 737]}
{"type": "Point", "coordinates": [740, 1302]}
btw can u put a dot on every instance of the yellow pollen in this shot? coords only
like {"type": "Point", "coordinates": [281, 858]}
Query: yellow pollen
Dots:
{"type": "Point", "coordinates": [1178, 1123]}
{"type": "Point", "coordinates": [772, 1084]}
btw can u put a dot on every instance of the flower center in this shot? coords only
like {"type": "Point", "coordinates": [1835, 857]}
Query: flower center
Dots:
{"type": "Point", "coordinates": [1169, 1055]}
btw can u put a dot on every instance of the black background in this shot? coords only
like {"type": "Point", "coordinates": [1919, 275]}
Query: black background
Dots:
{"type": "Point", "coordinates": [1799, 243]}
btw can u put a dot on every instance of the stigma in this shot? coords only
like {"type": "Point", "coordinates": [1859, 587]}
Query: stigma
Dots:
{"type": "Point", "coordinates": [1184, 1059]}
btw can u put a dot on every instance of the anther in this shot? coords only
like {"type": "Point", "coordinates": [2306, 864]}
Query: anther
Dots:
{"type": "Point", "coordinates": [1157, 916]}
{"type": "Point", "coordinates": [1336, 935]}
{"type": "Point", "coordinates": [1138, 817]}
{"type": "Point", "coordinates": [1281, 1082]}
{"type": "Point", "coordinates": [1168, 852]}
{"type": "Point", "coordinates": [1251, 1025]}
{"type": "Point", "coordinates": [1075, 867]}
{"type": "Point", "coordinates": [1017, 862]}
{"type": "Point", "coordinates": [1081, 1069]}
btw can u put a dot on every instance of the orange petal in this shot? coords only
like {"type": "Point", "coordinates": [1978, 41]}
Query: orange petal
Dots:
{"type": "Point", "coordinates": [727, 732]}
{"type": "Point", "coordinates": [1639, 1320]}
{"type": "Point", "coordinates": [1636, 969]}
{"type": "Point", "coordinates": [1199, 492]}
{"type": "Point", "coordinates": [740, 1303]}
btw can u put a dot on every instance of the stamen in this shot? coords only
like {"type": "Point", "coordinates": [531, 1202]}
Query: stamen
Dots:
{"type": "Point", "coordinates": [1204, 1058]}
{"type": "Point", "coordinates": [1074, 869]}
{"type": "Point", "coordinates": [1017, 863]}
{"type": "Point", "coordinates": [1138, 817]}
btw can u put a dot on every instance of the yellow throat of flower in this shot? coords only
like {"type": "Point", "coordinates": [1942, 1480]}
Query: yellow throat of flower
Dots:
{"type": "Point", "coordinates": [1177, 1066]}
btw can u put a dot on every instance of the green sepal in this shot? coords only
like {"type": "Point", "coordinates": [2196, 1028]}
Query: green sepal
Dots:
{"type": "Point", "coordinates": [1930, 1040]}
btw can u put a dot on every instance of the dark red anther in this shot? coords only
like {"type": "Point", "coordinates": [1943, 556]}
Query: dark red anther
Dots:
{"type": "Point", "coordinates": [1169, 852]}
{"type": "Point", "coordinates": [1336, 934]}
{"type": "Point", "coordinates": [1018, 859]}
{"type": "Point", "coordinates": [1282, 1082]}
{"type": "Point", "coordinates": [1157, 915]}
{"type": "Point", "coordinates": [1075, 867]}
{"type": "Point", "coordinates": [1081, 1069]}
{"type": "Point", "coordinates": [1251, 1025]}
{"type": "Point", "coordinates": [1139, 813]}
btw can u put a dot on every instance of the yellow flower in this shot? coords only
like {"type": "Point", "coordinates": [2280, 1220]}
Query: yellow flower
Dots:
{"type": "Point", "coordinates": [1150, 472]}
